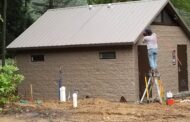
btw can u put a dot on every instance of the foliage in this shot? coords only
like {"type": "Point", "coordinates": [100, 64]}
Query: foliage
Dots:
{"type": "Point", "coordinates": [183, 8]}
{"type": "Point", "coordinates": [182, 4]}
{"type": "Point", "coordinates": [9, 80]}
{"type": "Point", "coordinates": [38, 7]}
{"type": "Point", "coordinates": [18, 19]}
{"type": "Point", "coordinates": [106, 1]}
{"type": "Point", "coordinates": [22, 13]}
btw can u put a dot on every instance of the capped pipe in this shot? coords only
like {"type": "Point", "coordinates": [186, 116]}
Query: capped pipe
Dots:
{"type": "Point", "coordinates": [74, 100]}
{"type": "Point", "coordinates": [63, 94]}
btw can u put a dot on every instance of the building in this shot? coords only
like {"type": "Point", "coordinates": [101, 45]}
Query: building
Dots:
{"type": "Point", "coordinates": [98, 51]}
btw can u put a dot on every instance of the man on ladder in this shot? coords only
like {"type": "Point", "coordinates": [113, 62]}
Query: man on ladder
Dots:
{"type": "Point", "coordinates": [152, 45]}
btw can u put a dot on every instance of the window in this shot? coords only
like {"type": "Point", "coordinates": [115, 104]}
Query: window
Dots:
{"type": "Point", "coordinates": [164, 19]}
{"type": "Point", "coordinates": [107, 55]}
{"type": "Point", "coordinates": [37, 58]}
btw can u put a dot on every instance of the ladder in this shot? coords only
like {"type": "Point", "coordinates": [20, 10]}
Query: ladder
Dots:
{"type": "Point", "coordinates": [159, 86]}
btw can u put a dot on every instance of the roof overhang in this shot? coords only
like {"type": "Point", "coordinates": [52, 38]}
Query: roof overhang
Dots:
{"type": "Point", "coordinates": [72, 46]}
{"type": "Point", "coordinates": [165, 4]}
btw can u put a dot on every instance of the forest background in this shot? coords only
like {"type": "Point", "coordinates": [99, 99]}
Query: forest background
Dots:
{"type": "Point", "coordinates": [22, 13]}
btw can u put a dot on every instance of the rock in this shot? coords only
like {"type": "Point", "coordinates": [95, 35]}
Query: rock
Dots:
{"type": "Point", "coordinates": [54, 114]}
{"type": "Point", "coordinates": [27, 110]}
{"type": "Point", "coordinates": [123, 100]}
{"type": "Point", "coordinates": [38, 102]}
{"type": "Point", "coordinates": [182, 95]}
{"type": "Point", "coordinates": [185, 101]}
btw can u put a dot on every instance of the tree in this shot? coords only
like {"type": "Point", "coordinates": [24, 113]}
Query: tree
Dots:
{"type": "Point", "coordinates": [183, 8]}
{"type": "Point", "coordinates": [9, 80]}
{"type": "Point", "coordinates": [17, 19]}
{"type": "Point", "coordinates": [182, 4]}
{"type": "Point", "coordinates": [4, 31]}
{"type": "Point", "coordinates": [51, 4]}
{"type": "Point", "coordinates": [40, 6]}
{"type": "Point", "coordinates": [106, 1]}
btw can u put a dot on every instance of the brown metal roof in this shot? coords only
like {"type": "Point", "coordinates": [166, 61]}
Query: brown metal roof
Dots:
{"type": "Point", "coordinates": [122, 23]}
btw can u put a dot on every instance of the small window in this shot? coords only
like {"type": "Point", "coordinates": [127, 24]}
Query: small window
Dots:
{"type": "Point", "coordinates": [37, 58]}
{"type": "Point", "coordinates": [107, 55]}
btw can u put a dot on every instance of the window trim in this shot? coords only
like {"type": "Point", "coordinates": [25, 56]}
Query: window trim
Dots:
{"type": "Point", "coordinates": [107, 52]}
{"type": "Point", "coordinates": [37, 60]}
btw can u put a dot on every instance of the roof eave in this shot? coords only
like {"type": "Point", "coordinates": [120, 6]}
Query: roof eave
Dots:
{"type": "Point", "coordinates": [71, 46]}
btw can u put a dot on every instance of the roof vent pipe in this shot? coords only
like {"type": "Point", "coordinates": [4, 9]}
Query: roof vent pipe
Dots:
{"type": "Point", "coordinates": [90, 7]}
{"type": "Point", "coordinates": [109, 5]}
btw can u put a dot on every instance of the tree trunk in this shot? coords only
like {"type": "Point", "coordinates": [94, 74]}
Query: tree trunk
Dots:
{"type": "Point", "coordinates": [4, 32]}
{"type": "Point", "coordinates": [51, 4]}
{"type": "Point", "coordinates": [25, 14]}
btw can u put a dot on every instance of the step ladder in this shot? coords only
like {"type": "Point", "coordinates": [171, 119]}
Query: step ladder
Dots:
{"type": "Point", "coordinates": [159, 86]}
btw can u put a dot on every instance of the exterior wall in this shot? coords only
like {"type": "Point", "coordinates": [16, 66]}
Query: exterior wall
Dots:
{"type": "Point", "coordinates": [106, 78]}
{"type": "Point", "coordinates": [82, 71]}
{"type": "Point", "coordinates": [169, 37]}
{"type": "Point", "coordinates": [136, 72]}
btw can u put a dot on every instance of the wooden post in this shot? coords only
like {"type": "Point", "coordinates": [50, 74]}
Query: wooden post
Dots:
{"type": "Point", "coordinates": [31, 92]}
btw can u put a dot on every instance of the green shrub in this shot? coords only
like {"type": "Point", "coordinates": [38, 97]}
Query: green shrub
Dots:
{"type": "Point", "coordinates": [9, 80]}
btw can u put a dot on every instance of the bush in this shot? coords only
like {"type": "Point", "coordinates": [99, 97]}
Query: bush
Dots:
{"type": "Point", "coordinates": [9, 80]}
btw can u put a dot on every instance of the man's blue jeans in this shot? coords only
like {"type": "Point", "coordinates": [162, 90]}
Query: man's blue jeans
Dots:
{"type": "Point", "coordinates": [152, 56]}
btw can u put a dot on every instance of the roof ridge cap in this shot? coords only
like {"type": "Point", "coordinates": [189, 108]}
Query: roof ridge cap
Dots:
{"type": "Point", "coordinates": [97, 5]}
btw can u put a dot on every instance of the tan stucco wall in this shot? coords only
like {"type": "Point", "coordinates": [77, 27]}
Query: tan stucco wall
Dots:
{"type": "Point", "coordinates": [82, 71]}
{"type": "Point", "coordinates": [169, 37]}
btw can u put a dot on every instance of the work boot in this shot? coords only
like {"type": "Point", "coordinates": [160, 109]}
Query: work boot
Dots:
{"type": "Point", "coordinates": [150, 73]}
{"type": "Point", "coordinates": [156, 73]}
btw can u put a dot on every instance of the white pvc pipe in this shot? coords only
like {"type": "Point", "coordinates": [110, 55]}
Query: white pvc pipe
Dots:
{"type": "Point", "coordinates": [74, 100]}
{"type": "Point", "coordinates": [62, 94]}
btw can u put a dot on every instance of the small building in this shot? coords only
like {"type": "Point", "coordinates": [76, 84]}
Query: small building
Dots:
{"type": "Point", "coordinates": [98, 51]}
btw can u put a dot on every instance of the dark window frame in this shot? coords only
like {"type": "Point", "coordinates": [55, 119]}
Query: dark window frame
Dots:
{"type": "Point", "coordinates": [107, 55]}
{"type": "Point", "coordinates": [37, 58]}
{"type": "Point", "coordinates": [163, 21]}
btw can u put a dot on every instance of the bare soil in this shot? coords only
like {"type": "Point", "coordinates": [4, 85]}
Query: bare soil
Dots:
{"type": "Point", "coordinates": [95, 110]}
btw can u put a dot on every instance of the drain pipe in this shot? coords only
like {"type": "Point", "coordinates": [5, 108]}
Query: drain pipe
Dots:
{"type": "Point", "coordinates": [74, 100]}
{"type": "Point", "coordinates": [62, 94]}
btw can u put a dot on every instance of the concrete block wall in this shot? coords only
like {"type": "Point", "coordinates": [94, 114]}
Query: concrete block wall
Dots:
{"type": "Point", "coordinates": [169, 37]}
{"type": "Point", "coordinates": [94, 77]}
{"type": "Point", "coordinates": [83, 71]}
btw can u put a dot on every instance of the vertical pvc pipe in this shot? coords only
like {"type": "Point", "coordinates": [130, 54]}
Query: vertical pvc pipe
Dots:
{"type": "Point", "coordinates": [74, 100]}
{"type": "Point", "coordinates": [62, 94]}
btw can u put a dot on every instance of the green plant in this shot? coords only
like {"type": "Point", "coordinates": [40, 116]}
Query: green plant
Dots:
{"type": "Point", "coordinates": [9, 80]}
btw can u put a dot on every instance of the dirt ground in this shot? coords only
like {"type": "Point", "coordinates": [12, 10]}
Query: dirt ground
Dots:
{"type": "Point", "coordinates": [95, 110]}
